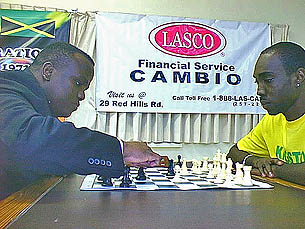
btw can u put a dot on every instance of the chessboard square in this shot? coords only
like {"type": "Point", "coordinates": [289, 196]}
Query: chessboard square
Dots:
{"type": "Point", "coordinates": [131, 186]}
{"type": "Point", "coordinates": [195, 179]}
{"type": "Point", "coordinates": [167, 186]}
{"type": "Point", "coordinates": [161, 179]}
{"type": "Point", "coordinates": [189, 176]}
{"type": "Point", "coordinates": [162, 169]}
{"type": "Point", "coordinates": [203, 182]}
{"type": "Point", "coordinates": [143, 183]}
{"type": "Point", "coordinates": [182, 182]}
{"type": "Point", "coordinates": [188, 186]}
{"type": "Point", "coordinates": [163, 182]}
{"type": "Point", "coordinates": [151, 170]}
{"type": "Point", "coordinates": [156, 175]}
{"type": "Point", "coordinates": [100, 186]}
{"type": "Point", "coordinates": [147, 187]}
{"type": "Point", "coordinates": [153, 173]}
{"type": "Point", "coordinates": [207, 185]}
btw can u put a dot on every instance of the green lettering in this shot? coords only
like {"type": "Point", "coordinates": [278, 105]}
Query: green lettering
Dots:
{"type": "Point", "coordinates": [297, 156]}
{"type": "Point", "coordinates": [284, 156]}
{"type": "Point", "coordinates": [289, 157]}
{"type": "Point", "coordinates": [303, 157]}
{"type": "Point", "coordinates": [279, 152]}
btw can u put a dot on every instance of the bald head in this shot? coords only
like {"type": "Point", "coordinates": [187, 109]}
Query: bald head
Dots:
{"type": "Point", "coordinates": [290, 54]}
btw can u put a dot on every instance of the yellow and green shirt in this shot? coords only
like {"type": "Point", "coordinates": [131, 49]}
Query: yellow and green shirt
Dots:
{"type": "Point", "coordinates": [276, 137]}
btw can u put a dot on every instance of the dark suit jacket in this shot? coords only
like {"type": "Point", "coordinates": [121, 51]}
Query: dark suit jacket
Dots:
{"type": "Point", "coordinates": [34, 143]}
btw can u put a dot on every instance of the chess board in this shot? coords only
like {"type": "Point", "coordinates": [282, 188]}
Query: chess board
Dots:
{"type": "Point", "coordinates": [158, 180]}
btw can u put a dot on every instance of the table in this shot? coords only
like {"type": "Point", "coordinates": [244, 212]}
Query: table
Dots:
{"type": "Point", "coordinates": [65, 206]}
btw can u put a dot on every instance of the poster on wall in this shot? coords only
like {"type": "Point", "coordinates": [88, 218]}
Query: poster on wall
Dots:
{"type": "Point", "coordinates": [177, 65]}
{"type": "Point", "coordinates": [24, 33]}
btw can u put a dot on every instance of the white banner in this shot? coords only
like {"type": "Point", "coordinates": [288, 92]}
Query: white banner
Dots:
{"type": "Point", "coordinates": [177, 65]}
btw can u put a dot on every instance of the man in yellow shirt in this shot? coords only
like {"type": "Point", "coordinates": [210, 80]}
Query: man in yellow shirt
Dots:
{"type": "Point", "coordinates": [276, 146]}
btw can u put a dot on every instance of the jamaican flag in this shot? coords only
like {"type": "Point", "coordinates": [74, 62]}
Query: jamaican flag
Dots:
{"type": "Point", "coordinates": [24, 33]}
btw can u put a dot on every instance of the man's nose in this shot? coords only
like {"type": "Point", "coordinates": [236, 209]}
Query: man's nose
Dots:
{"type": "Point", "coordinates": [260, 90]}
{"type": "Point", "coordinates": [81, 95]}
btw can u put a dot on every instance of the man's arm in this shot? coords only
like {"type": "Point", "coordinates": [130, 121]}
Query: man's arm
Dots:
{"type": "Point", "coordinates": [237, 155]}
{"type": "Point", "coordinates": [262, 166]}
{"type": "Point", "coordinates": [291, 172]}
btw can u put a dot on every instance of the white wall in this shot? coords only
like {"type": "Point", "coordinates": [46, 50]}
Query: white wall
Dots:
{"type": "Point", "coordinates": [291, 12]}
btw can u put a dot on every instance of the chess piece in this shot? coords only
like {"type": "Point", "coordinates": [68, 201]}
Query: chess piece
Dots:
{"type": "Point", "coordinates": [210, 174]}
{"type": "Point", "coordinates": [105, 181]}
{"type": "Point", "coordinates": [239, 174]}
{"type": "Point", "coordinates": [171, 171]}
{"type": "Point", "coordinates": [205, 164]}
{"type": "Point", "coordinates": [184, 167]}
{"type": "Point", "coordinates": [247, 181]}
{"type": "Point", "coordinates": [229, 166]}
{"type": "Point", "coordinates": [179, 161]}
{"type": "Point", "coordinates": [177, 169]}
{"type": "Point", "coordinates": [141, 175]}
{"type": "Point", "coordinates": [126, 179]}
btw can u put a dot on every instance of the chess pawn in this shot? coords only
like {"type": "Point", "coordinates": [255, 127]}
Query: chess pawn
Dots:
{"type": "Point", "coordinates": [229, 166]}
{"type": "Point", "coordinates": [215, 165]}
{"type": "Point", "coordinates": [247, 181]}
{"type": "Point", "coordinates": [239, 174]}
{"type": "Point", "coordinates": [228, 182]}
{"type": "Point", "coordinates": [210, 174]}
{"type": "Point", "coordinates": [184, 167]}
{"type": "Point", "coordinates": [177, 169]}
{"type": "Point", "coordinates": [222, 173]}
{"type": "Point", "coordinates": [195, 167]}
{"type": "Point", "coordinates": [205, 164]}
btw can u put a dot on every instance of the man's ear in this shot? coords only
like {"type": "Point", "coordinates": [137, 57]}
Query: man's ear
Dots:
{"type": "Point", "coordinates": [300, 74]}
{"type": "Point", "coordinates": [47, 70]}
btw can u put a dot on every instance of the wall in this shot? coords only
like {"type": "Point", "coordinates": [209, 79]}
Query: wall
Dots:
{"type": "Point", "coordinates": [272, 11]}
{"type": "Point", "coordinates": [289, 12]}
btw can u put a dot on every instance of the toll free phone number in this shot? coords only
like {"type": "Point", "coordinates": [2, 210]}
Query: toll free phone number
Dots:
{"type": "Point", "coordinates": [236, 100]}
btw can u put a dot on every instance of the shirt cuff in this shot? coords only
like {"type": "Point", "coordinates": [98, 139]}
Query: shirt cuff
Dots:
{"type": "Point", "coordinates": [122, 145]}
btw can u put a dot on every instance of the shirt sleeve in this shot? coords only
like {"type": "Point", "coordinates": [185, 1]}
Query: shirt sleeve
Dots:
{"type": "Point", "coordinates": [254, 142]}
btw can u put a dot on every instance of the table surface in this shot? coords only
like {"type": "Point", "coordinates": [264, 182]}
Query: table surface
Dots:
{"type": "Point", "coordinates": [65, 206]}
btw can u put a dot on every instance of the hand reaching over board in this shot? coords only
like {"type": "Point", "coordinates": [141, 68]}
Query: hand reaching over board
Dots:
{"type": "Point", "coordinates": [139, 154]}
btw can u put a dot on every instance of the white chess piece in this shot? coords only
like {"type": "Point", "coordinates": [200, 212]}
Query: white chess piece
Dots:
{"type": "Point", "coordinates": [205, 164]}
{"type": "Point", "coordinates": [223, 167]}
{"type": "Point", "coordinates": [239, 173]}
{"type": "Point", "coordinates": [184, 167]}
{"type": "Point", "coordinates": [247, 181]}
{"type": "Point", "coordinates": [229, 166]}
{"type": "Point", "coordinates": [210, 168]}
{"type": "Point", "coordinates": [177, 169]}
{"type": "Point", "coordinates": [194, 166]}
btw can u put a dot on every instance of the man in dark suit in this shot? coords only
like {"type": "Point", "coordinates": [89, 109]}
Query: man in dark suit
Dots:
{"type": "Point", "coordinates": [34, 143]}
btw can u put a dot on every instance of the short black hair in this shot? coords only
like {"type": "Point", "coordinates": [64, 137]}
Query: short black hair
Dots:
{"type": "Point", "coordinates": [291, 55]}
{"type": "Point", "coordinates": [59, 54]}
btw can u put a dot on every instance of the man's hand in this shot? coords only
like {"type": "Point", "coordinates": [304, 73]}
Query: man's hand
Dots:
{"type": "Point", "coordinates": [139, 154]}
{"type": "Point", "coordinates": [264, 166]}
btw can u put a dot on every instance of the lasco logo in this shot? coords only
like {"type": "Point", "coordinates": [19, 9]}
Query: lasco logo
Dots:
{"type": "Point", "coordinates": [187, 39]}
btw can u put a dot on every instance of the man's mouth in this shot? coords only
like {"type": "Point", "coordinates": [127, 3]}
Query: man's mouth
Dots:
{"type": "Point", "coordinates": [265, 103]}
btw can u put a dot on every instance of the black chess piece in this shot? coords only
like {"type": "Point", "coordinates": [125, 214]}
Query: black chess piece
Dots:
{"type": "Point", "coordinates": [126, 181]}
{"type": "Point", "coordinates": [179, 161]}
{"type": "Point", "coordinates": [171, 170]}
{"type": "Point", "coordinates": [141, 174]}
{"type": "Point", "coordinates": [105, 181]}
